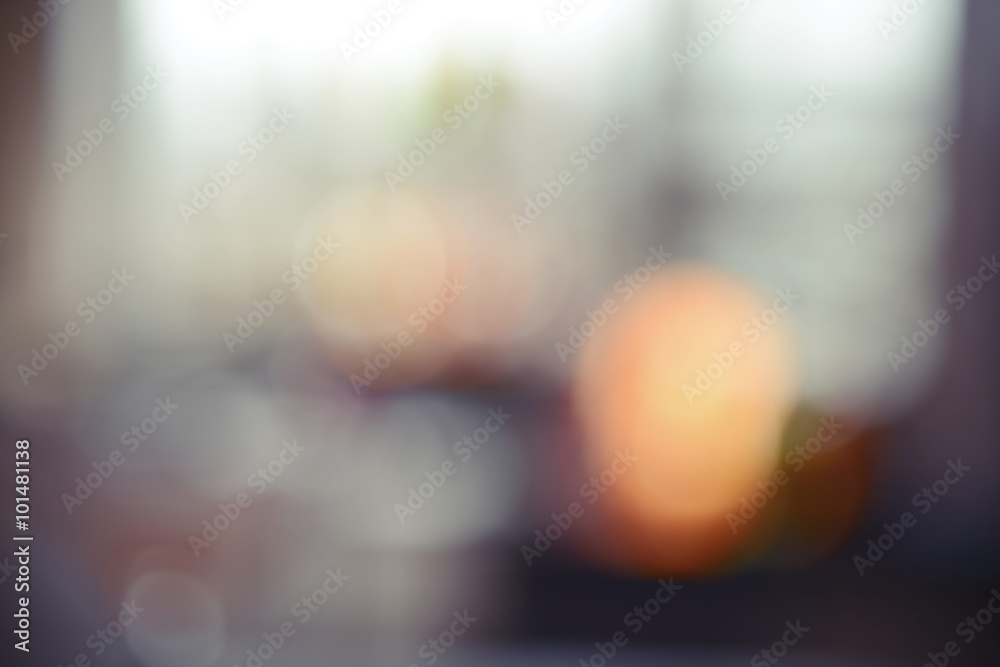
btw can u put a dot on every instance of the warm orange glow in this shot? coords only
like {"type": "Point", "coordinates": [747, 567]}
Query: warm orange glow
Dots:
{"type": "Point", "coordinates": [700, 446]}
{"type": "Point", "coordinates": [396, 255]}
{"type": "Point", "coordinates": [390, 288]}
{"type": "Point", "coordinates": [445, 277]}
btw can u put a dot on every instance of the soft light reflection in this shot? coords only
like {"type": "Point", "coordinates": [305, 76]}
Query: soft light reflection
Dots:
{"type": "Point", "coordinates": [182, 623]}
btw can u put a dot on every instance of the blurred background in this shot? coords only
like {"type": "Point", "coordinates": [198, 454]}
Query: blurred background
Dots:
{"type": "Point", "coordinates": [367, 319]}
